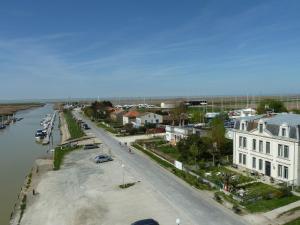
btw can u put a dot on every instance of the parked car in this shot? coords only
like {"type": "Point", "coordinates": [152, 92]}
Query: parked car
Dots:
{"type": "Point", "coordinates": [103, 158]}
{"type": "Point", "coordinates": [85, 126]}
{"type": "Point", "coordinates": [90, 146]}
{"type": "Point", "coordinates": [146, 222]}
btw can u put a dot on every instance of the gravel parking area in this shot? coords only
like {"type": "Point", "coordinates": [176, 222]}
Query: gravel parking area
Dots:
{"type": "Point", "coordinates": [85, 193]}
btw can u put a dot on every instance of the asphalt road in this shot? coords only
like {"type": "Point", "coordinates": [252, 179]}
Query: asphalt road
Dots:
{"type": "Point", "coordinates": [197, 206]}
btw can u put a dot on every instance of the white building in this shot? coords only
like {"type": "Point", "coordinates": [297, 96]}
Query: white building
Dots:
{"type": "Point", "coordinates": [269, 146]}
{"type": "Point", "coordinates": [175, 133]}
{"type": "Point", "coordinates": [148, 118]}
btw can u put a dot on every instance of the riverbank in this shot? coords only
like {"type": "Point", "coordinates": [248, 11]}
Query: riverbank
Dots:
{"type": "Point", "coordinates": [9, 109]}
{"type": "Point", "coordinates": [29, 192]}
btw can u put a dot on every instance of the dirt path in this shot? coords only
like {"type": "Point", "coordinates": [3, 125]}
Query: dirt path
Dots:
{"type": "Point", "coordinates": [64, 128]}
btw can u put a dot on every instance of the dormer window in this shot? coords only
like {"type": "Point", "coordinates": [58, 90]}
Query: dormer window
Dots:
{"type": "Point", "coordinates": [283, 132]}
{"type": "Point", "coordinates": [261, 128]}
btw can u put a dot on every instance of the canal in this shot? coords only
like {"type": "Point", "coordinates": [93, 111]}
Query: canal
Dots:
{"type": "Point", "coordinates": [18, 151]}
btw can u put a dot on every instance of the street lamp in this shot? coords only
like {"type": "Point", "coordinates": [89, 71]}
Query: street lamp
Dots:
{"type": "Point", "coordinates": [123, 166]}
{"type": "Point", "coordinates": [177, 221]}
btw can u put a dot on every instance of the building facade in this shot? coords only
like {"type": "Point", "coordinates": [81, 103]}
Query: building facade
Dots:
{"type": "Point", "coordinates": [269, 146]}
{"type": "Point", "coordinates": [176, 133]}
{"type": "Point", "coordinates": [148, 118]}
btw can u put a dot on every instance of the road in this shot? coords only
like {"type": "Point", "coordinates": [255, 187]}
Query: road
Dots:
{"type": "Point", "coordinates": [195, 206]}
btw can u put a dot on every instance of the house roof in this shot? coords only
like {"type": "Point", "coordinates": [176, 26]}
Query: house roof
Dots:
{"type": "Point", "coordinates": [132, 114]}
{"type": "Point", "coordinates": [273, 123]}
{"type": "Point", "coordinates": [284, 118]}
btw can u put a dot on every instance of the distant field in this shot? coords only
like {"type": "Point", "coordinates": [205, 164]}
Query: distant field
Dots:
{"type": "Point", "coordinates": [7, 109]}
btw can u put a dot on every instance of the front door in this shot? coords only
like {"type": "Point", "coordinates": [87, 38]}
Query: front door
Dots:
{"type": "Point", "coordinates": [267, 168]}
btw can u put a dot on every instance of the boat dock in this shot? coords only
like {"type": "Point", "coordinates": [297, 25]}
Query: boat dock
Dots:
{"type": "Point", "coordinates": [46, 140]}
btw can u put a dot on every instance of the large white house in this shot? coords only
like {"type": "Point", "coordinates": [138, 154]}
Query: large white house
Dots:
{"type": "Point", "coordinates": [148, 118]}
{"type": "Point", "coordinates": [269, 145]}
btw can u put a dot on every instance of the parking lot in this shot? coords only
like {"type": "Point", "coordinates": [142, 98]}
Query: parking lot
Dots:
{"type": "Point", "coordinates": [83, 192]}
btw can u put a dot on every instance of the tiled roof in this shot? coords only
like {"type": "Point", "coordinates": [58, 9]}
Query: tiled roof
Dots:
{"type": "Point", "coordinates": [132, 114]}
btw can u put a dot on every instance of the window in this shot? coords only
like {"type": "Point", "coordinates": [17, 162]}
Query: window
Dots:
{"type": "Point", "coordinates": [146, 121]}
{"type": "Point", "coordinates": [243, 126]}
{"type": "Point", "coordinates": [286, 151]}
{"type": "Point", "coordinates": [254, 144]}
{"type": "Point", "coordinates": [286, 172]}
{"type": "Point", "coordinates": [280, 153]}
{"type": "Point", "coordinates": [157, 120]}
{"type": "Point", "coordinates": [279, 171]}
{"type": "Point", "coordinates": [261, 146]}
{"type": "Point", "coordinates": [261, 128]}
{"type": "Point", "coordinates": [260, 164]}
{"type": "Point", "coordinates": [244, 142]}
{"type": "Point", "coordinates": [283, 132]}
{"type": "Point", "coordinates": [240, 158]}
{"type": "Point", "coordinates": [268, 147]}
{"type": "Point", "coordinates": [253, 162]}
{"type": "Point", "coordinates": [240, 141]}
{"type": "Point", "coordinates": [244, 159]}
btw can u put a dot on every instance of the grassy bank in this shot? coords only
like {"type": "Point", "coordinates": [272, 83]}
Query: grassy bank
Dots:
{"type": "Point", "coordinates": [59, 154]}
{"type": "Point", "coordinates": [74, 128]}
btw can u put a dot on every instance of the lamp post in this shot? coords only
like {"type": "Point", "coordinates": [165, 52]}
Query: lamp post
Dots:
{"type": "Point", "coordinates": [123, 166]}
{"type": "Point", "coordinates": [177, 221]}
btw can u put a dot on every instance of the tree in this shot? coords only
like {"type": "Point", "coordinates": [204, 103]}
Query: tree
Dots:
{"type": "Point", "coordinates": [179, 113]}
{"type": "Point", "coordinates": [271, 105]}
{"type": "Point", "coordinates": [218, 131]}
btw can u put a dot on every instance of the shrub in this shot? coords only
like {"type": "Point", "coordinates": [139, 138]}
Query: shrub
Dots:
{"type": "Point", "coordinates": [217, 197]}
{"type": "Point", "coordinates": [236, 208]}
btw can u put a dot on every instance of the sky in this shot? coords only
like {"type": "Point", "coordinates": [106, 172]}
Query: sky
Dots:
{"type": "Point", "coordinates": [135, 48]}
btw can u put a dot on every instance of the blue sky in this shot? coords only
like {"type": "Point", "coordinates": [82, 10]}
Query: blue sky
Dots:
{"type": "Point", "coordinates": [60, 48]}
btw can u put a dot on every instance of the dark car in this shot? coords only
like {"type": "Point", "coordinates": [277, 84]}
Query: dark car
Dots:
{"type": "Point", "coordinates": [90, 146]}
{"type": "Point", "coordinates": [85, 126]}
{"type": "Point", "coordinates": [146, 222]}
{"type": "Point", "coordinates": [103, 158]}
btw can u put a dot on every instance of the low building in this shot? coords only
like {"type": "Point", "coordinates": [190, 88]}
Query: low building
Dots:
{"type": "Point", "coordinates": [148, 118]}
{"type": "Point", "coordinates": [176, 133]}
{"type": "Point", "coordinates": [269, 145]}
{"type": "Point", "coordinates": [130, 117]}
{"type": "Point", "coordinates": [117, 115]}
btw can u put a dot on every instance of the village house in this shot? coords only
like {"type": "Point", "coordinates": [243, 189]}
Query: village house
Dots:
{"type": "Point", "coordinates": [176, 133]}
{"type": "Point", "coordinates": [148, 118]}
{"type": "Point", "coordinates": [269, 145]}
{"type": "Point", "coordinates": [130, 117]}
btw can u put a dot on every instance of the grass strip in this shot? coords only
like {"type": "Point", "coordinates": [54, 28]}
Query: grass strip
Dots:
{"type": "Point", "coordinates": [59, 154]}
{"type": "Point", "coordinates": [74, 128]}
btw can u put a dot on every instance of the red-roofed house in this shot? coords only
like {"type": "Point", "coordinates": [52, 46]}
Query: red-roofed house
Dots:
{"type": "Point", "coordinates": [130, 117]}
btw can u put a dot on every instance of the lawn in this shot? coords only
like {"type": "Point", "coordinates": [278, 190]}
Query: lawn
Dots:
{"type": "Point", "coordinates": [59, 154]}
{"type": "Point", "coordinates": [74, 128]}
{"type": "Point", "coordinates": [267, 205]}
{"type": "Point", "coordinates": [270, 197]}
{"type": "Point", "coordinates": [294, 222]}
{"type": "Point", "coordinates": [161, 145]}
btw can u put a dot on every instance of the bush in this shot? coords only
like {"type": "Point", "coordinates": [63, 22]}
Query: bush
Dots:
{"type": "Point", "coordinates": [236, 208]}
{"type": "Point", "coordinates": [217, 197]}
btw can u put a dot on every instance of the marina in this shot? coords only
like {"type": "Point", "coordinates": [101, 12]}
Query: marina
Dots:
{"type": "Point", "coordinates": [43, 135]}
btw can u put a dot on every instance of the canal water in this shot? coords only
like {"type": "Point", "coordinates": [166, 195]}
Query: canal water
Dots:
{"type": "Point", "coordinates": [18, 151]}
